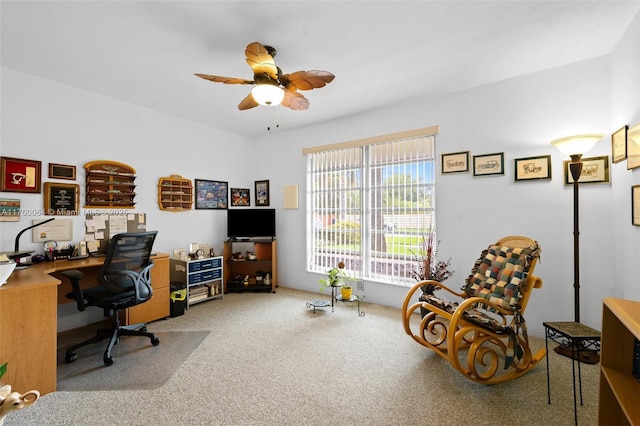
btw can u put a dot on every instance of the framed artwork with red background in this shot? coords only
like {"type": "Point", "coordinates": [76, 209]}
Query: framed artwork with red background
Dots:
{"type": "Point", "coordinates": [20, 175]}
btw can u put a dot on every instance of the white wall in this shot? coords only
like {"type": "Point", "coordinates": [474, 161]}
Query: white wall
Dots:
{"type": "Point", "coordinates": [51, 122]}
{"type": "Point", "coordinates": [56, 123]}
{"type": "Point", "coordinates": [518, 117]}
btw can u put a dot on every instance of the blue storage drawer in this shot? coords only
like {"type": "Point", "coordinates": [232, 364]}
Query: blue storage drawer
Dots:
{"type": "Point", "coordinates": [200, 265]}
{"type": "Point", "coordinates": [204, 276]}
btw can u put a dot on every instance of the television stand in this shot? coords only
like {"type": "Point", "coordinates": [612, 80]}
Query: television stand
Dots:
{"type": "Point", "coordinates": [265, 263]}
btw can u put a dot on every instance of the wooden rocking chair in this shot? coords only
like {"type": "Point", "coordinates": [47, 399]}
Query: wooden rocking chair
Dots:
{"type": "Point", "coordinates": [486, 326]}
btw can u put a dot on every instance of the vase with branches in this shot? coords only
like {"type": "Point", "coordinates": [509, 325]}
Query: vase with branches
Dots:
{"type": "Point", "coordinates": [428, 266]}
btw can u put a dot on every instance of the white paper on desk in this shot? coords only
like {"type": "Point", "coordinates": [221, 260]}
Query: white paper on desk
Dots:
{"type": "Point", "coordinates": [92, 246]}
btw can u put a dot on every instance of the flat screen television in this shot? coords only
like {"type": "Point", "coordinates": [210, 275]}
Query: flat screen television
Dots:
{"type": "Point", "coordinates": [251, 223]}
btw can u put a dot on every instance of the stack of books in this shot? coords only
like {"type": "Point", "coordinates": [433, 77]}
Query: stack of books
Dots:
{"type": "Point", "coordinates": [198, 293]}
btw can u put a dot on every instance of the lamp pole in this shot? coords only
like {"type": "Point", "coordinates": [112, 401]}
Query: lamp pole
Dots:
{"type": "Point", "coordinates": [576, 170]}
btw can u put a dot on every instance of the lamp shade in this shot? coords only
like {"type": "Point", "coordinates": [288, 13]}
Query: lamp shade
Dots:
{"type": "Point", "coordinates": [267, 94]}
{"type": "Point", "coordinates": [578, 144]}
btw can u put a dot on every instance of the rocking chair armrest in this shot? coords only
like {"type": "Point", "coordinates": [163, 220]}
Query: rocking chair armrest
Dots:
{"type": "Point", "coordinates": [537, 281]}
{"type": "Point", "coordinates": [472, 301]}
{"type": "Point", "coordinates": [438, 284]}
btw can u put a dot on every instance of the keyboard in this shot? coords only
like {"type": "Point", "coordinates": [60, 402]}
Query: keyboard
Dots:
{"type": "Point", "coordinates": [97, 254]}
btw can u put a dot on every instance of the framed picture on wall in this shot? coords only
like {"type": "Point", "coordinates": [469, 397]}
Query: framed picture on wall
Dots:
{"type": "Point", "coordinates": [455, 162]}
{"type": "Point", "coordinates": [61, 199]}
{"type": "Point", "coordinates": [633, 147]}
{"type": "Point", "coordinates": [62, 171]}
{"type": "Point", "coordinates": [262, 193]}
{"type": "Point", "coordinates": [20, 175]}
{"type": "Point", "coordinates": [488, 164]}
{"type": "Point", "coordinates": [211, 194]}
{"type": "Point", "coordinates": [619, 145]}
{"type": "Point", "coordinates": [635, 205]}
{"type": "Point", "coordinates": [594, 170]}
{"type": "Point", "coordinates": [531, 168]}
{"type": "Point", "coordinates": [240, 197]}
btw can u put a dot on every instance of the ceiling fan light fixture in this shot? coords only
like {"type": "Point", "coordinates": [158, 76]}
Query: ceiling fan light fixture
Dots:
{"type": "Point", "coordinates": [267, 94]}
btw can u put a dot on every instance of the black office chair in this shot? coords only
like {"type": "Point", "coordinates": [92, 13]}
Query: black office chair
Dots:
{"type": "Point", "coordinates": [125, 281]}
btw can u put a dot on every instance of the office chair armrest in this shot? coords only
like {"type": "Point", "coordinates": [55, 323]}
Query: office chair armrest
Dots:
{"type": "Point", "coordinates": [76, 294]}
{"type": "Point", "coordinates": [136, 278]}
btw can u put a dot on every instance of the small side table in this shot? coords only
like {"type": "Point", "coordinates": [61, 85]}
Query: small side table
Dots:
{"type": "Point", "coordinates": [318, 303]}
{"type": "Point", "coordinates": [353, 298]}
{"type": "Point", "coordinates": [579, 338]}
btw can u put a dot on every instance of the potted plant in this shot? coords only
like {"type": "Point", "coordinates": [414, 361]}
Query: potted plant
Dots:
{"type": "Point", "coordinates": [336, 277]}
{"type": "Point", "coordinates": [428, 266]}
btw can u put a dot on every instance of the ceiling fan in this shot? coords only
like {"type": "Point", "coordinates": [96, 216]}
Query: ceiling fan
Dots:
{"type": "Point", "coordinates": [271, 86]}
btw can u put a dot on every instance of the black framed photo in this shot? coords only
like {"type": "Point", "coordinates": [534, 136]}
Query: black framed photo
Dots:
{"type": "Point", "coordinates": [61, 199]}
{"type": "Point", "coordinates": [488, 164]}
{"type": "Point", "coordinates": [530, 168]}
{"type": "Point", "coordinates": [211, 194]}
{"type": "Point", "coordinates": [619, 145]}
{"type": "Point", "coordinates": [62, 171]}
{"type": "Point", "coordinates": [594, 170]}
{"type": "Point", "coordinates": [455, 162]}
{"type": "Point", "coordinates": [240, 197]}
{"type": "Point", "coordinates": [262, 193]}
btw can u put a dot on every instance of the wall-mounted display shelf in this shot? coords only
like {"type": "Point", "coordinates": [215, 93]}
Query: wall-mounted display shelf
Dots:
{"type": "Point", "coordinates": [110, 184]}
{"type": "Point", "coordinates": [175, 193]}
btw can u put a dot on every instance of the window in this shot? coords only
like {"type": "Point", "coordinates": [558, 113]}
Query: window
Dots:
{"type": "Point", "coordinates": [370, 204]}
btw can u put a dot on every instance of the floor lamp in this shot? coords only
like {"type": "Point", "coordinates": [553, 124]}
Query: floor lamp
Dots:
{"type": "Point", "coordinates": [575, 147]}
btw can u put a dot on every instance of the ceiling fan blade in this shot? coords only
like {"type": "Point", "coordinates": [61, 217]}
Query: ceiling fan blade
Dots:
{"type": "Point", "coordinates": [307, 80]}
{"type": "Point", "coordinates": [295, 101]}
{"type": "Point", "coordinates": [247, 103]}
{"type": "Point", "coordinates": [260, 61]}
{"type": "Point", "coordinates": [225, 80]}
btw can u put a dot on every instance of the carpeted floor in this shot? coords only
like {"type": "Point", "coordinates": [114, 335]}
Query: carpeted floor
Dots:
{"type": "Point", "coordinates": [137, 364]}
{"type": "Point", "coordinates": [269, 360]}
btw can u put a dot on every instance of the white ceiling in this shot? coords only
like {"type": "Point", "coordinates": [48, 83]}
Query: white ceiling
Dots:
{"type": "Point", "coordinates": [382, 52]}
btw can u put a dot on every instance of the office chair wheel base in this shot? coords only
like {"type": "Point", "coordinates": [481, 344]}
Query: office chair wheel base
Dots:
{"type": "Point", "coordinates": [155, 341]}
{"type": "Point", "coordinates": [70, 358]}
{"type": "Point", "coordinates": [108, 361]}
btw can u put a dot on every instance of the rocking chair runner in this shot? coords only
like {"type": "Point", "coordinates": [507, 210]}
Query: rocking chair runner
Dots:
{"type": "Point", "coordinates": [487, 326]}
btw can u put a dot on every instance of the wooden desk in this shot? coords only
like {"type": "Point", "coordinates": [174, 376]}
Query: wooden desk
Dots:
{"type": "Point", "coordinates": [29, 317]}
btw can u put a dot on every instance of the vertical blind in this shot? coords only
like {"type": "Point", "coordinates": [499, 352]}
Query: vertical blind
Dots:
{"type": "Point", "coordinates": [371, 205]}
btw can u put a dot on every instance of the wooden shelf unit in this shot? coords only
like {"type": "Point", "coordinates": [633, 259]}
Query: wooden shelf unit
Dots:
{"type": "Point", "coordinates": [110, 184]}
{"type": "Point", "coordinates": [201, 277]}
{"type": "Point", "coordinates": [619, 390]}
{"type": "Point", "coordinates": [266, 253]}
{"type": "Point", "coordinates": [175, 193]}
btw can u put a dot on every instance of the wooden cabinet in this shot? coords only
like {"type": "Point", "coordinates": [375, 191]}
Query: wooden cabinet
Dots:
{"type": "Point", "coordinates": [619, 389]}
{"type": "Point", "coordinates": [110, 184]}
{"type": "Point", "coordinates": [158, 306]}
{"type": "Point", "coordinates": [201, 277]}
{"type": "Point", "coordinates": [237, 269]}
{"type": "Point", "coordinates": [175, 193]}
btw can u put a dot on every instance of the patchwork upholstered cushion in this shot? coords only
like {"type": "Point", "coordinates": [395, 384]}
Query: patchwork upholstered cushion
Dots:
{"type": "Point", "coordinates": [499, 274]}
